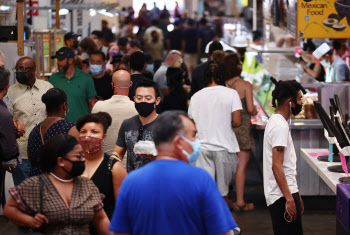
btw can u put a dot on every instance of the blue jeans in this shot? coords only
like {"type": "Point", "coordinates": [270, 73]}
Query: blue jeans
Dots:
{"type": "Point", "coordinates": [22, 172]}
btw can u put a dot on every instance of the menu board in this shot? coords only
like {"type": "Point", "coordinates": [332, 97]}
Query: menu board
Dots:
{"type": "Point", "coordinates": [323, 19]}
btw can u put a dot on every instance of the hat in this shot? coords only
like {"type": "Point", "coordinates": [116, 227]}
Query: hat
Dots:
{"type": "Point", "coordinates": [240, 41]}
{"type": "Point", "coordinates": [321, 50]}
{"type": "Point", "coordinates": [225, 47]}
{"type": "Point", "coordinates": [70, 35]}
{"type": "Point", "coordinates": [64, 52]}
{"type": "Point", "coordinates": [116, 59]}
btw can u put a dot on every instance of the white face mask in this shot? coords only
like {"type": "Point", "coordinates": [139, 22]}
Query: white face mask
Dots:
{"type": "Point", "coordinates": [325, 63]}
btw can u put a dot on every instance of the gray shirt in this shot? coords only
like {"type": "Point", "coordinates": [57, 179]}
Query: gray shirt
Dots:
{"type": "Point", "coordinates": [339, 71]}
{"type": "Point", "coordinates": [160, 78]}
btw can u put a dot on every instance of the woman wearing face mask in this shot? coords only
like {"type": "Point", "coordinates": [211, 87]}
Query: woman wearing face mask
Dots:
{"type": "Point", "coordinates": [55, 101]}
{"type": "Point", "coordinates": [233, 69]}
{"type": "Point", "coordinates": [58, 201]}
{"type": "Point", "coordinates": [106, 172]}
{"type": "Point", "coordinates": [113, 50]}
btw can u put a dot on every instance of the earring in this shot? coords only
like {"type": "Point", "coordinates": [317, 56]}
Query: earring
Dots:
{"type": "Point", "coordinates": [62, 165]}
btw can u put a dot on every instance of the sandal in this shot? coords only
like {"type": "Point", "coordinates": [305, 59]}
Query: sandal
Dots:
{"type": "Point", "coordinates": [246, 207]}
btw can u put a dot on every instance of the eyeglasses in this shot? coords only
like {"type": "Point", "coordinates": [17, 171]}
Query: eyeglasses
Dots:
{"type": "Point", "coordinates": [22, 69]}
{"type": "Point", "coordinates": [81, 156]}
{"type": "Point", "coordinates": [140, 133]}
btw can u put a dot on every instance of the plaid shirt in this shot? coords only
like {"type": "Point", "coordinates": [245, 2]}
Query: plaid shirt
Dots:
{"type": "Point", "coordinates": [85, 200]}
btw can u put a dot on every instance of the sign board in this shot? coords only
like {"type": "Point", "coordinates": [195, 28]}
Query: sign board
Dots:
{"type": "Point", "coordinates": [59, 43]}
{"type": "Point", "coordinates": [323, 19]}
{"type": "Point", "coordinates": [34, 4]}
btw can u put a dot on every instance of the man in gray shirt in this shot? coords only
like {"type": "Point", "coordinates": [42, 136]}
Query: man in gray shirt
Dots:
{"type": "Point", "coordinates": [174, 59]}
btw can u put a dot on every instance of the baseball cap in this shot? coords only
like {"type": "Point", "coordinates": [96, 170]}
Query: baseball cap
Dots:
{"type": "Point", "coordinates": [116, 59]}
{"type": "Point", "coordinates": [70, 35]}
{"type": "Point", "coordinates": [64, 52]}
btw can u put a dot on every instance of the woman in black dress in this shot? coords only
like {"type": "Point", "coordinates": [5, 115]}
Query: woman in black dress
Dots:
{"type": "Point", "coordinates": [105, 171]}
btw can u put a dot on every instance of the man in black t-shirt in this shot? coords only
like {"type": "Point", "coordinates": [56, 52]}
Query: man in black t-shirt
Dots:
{"type": "Point", "coordinates": [139, 127]}
{"type": "Point", "coordinates": [102, 80]}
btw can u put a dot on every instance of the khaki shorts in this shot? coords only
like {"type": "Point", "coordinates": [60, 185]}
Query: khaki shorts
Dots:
{"type": "Point", "coordinates": [191, 60]}
{"type": "Point", "coordinates": [221, 165]}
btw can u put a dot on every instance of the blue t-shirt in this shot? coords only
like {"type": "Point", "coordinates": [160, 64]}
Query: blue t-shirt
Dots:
{"type": "Point", "coordinates": [170, 197]}
{"type": "Point", "coordinates": [207, 35]}
{"type": "Point", "coordinates": [190, 37]}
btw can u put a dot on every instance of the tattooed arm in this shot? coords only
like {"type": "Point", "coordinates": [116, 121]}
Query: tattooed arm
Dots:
{"type": "Point", "coordinates": [277, 168]}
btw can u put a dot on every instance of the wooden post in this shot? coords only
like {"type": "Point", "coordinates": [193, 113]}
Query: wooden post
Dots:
{"type": "Point", "coordinates": [37, 55]}
{"type": "Point", "coordinates": [50, 51]}
{"type": "Point", "coordinates": [55, 44]}
{"type": "Point", "coordinates": [42, 58]}
{"type": "Point", "coordinates": [58, 23]}
{"type": "Point", "coordinates": [20, 28]}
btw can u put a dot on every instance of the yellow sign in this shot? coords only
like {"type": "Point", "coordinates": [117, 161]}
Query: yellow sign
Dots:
{"type": "Point", "coordinates": [323, 19]}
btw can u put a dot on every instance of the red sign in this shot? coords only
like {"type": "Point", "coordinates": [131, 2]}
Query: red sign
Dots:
{"type": "Point", "coordinates": [34, 4]}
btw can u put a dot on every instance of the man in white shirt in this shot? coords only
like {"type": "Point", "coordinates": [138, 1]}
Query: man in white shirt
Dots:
{"type": "Point", "coordinates": [215, 110]}
{"type": "Point", "coordinates": [280, 183]}
{"type": "Point", "coordinates": [119, 106]}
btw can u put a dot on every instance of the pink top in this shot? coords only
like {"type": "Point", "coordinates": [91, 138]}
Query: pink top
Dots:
{"type": "Point", "coordinates": [346, 56]}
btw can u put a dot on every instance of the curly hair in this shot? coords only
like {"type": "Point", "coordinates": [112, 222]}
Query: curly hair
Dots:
{"type": "Point", "coordinates": [214, 72]}
{"type": "Point", "coordinates": [285, 90]}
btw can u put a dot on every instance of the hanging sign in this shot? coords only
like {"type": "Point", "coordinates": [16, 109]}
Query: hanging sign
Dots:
{"type": "Point", "coordinates": [323, 19]}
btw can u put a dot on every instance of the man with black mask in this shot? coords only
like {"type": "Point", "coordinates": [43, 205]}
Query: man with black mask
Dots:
{"type": "Point", "coordinates": [139, 127]}
{"type": "Point", "coordinates": [27, 107]}
{"type": "Point", "coordinates": [279, 160]}
{"type": "Point", "coordinates": [71, 41]}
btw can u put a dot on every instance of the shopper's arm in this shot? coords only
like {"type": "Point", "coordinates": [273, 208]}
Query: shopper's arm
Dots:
{"type": "Point", "coordinates": [91, 102]}
{"type": "Point", "coordinates": [278, 172]}
{"type": "Point", "coordinates": [101, 222]}
{"type": "Point", "coordinates": [118, 173]}
{"type": "Point", "coordinates": [307, 58]}
{"type": "Point", "coordinates": [19, 218]}
{"type": "Point", "coordinates": [250, 100]}
{"type": "Point", "coordinates": [315, 71]}
{"type": "Point", "coordinates": [236, 118]}
{"type": "Point", "coordinates": [119, 152]}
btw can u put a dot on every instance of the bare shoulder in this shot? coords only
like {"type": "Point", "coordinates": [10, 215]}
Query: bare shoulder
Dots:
{"type": "Point", "coordinates": [118, 167]}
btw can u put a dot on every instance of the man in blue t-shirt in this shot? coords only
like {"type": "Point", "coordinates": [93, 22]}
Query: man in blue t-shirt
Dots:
{"type": "Point", "coordinates": [168, 195]}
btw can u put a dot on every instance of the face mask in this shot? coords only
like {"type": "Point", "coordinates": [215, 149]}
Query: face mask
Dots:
{"type": "Point", "coordinates": [91, 144]}
{"type": "Point", "coordinates": [78, 167]}
{"type": "Point", "coordinates": [144, 108]}
{"type": "Point", "coordinates": [149, 68]}
{"type": "Point", "coordinates": [75, 44]}
{"type": "Point", "coordinates": [96, 69]}
{"type": "Point", "coordinates": [325, 63]}
{"type": "Point", "coordinates": [196, 147]}
{"type": "Point", "coordinates": [22, 78]}
{"type": "Point", "coordinates": [297, 109]}
{"type": "Point", "coordinates": [113, 53]}
{"type": "Point", "coordinates": [241, 51]}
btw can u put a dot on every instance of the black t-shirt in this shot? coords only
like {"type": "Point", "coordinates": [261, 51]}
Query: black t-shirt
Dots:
{"type": "Point", "coordinates": [103, 86]}
{"type": "Point", "coordinates": [190, 37]}
{"type": "Point", "coordinates": [174, 37]}
{"type": "Point", "coordinates": [128, 136]}
{"type": "Point", "coordinates": [174, 101]}
{"type": "Point", "coordinates": [322, 76]}
{"type": "Point", "coordinates": [207, 35]}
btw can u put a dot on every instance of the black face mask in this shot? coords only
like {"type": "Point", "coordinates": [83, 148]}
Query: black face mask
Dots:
{"type": "Point", "coordinates": [75, 44]}
{"type": "Point", "coordinates": [241, 51]}
{"type": "Point", "coordinates": [22, 78]}
{"type": "Point", "coordinates": [144, 108]}
{"type": "Point", "coordinates": [78, 168]}
{"type": "Point", "coordinates": [297, 109]}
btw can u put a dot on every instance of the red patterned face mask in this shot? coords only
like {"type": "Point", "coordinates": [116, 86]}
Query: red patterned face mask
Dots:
{"type": "Point", "coordinates": [91, 144]}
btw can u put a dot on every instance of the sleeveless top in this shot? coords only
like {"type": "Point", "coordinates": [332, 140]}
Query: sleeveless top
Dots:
{"type": "Point", "coordinates": [35, 143]}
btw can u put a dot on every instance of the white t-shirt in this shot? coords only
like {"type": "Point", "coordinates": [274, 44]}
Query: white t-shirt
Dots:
{"type": "Point", "coordinates": [211, 109]}
{"type": "Point", "coordinates": [277, 134]}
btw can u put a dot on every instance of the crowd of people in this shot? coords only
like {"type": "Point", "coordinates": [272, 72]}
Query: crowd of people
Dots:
{"type": "Point", "coordinates": [70, 141]}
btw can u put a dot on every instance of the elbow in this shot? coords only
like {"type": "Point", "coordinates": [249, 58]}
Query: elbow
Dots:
{"type": "Point", "coordinates": [236, 124]}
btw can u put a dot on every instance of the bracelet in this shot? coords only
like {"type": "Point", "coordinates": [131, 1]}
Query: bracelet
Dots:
{"type": "Point", "coordinates": [115, 155]}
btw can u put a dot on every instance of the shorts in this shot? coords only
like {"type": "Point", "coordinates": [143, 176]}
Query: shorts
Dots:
{"type": "Point", "coordinates": [221, 165]}
{"type": "Point", "coordinates": [191, 60]}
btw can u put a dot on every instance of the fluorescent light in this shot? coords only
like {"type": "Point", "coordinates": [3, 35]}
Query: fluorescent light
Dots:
{"type": "Point", "coordinates": [63, 12]}
{"type": "Point", "coordinates": [5, 8]}
{"type": "Point", "coordinates": [170, 27]}
{"type": "Point", "coordinates": [135, 30]}
{"type": "Point", "coordinates": [104, 12]}
{"type": "Point", "coordinates": [92, 12]}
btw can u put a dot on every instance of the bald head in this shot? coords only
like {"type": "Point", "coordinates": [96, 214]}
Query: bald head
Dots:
{"type": "Point", "coordinates": [26, 62]}
{"type": "Point", "coordinates": [122, 82]}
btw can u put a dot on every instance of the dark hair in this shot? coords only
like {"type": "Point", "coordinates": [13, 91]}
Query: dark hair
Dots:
{"type": "Point", "coordinates": [148, 83]}
{"type": "Point", "coordinates": [155, 22]}
{"type": "Point", "coordinates": [214, 72]}
{"type": "Point", "coordinates": [190, 22]}
{"type": "Point", "coordinates": [98, 33]}
{"type": "Point", "coordinates": [104, 22]}
{"type": "Point", "coordinates": [99, 53]}
{"type": "Point", "coordinates": [230, 64]}
{"type": "Point", "coordinates": [168, 125]}
{"type": "Point", "coordinates": [215, 46]}
{"type": "Point", "coordinates": [285, 90]}
{"type": "Point", "coordinates": [122, 41]}
{"type": "Point", "coordinates": [137, 61]}
{"type": "Point", "coordinates": [174, 78]}
{"type": "Point", "coordinates": [256, 35]}
{"type": "Point", "coordinates": [135, 43]}
{"type": "Point", "coordinates": [101, 118]}
{"type": "Point", "coordinates": [53, 99]}
{"type": "Point", "coordinates": [88, 45]}
{"type": "Point", "coordinates": [4, 78]}
{"type": "Point", "coordinates": [309, 46]}
{"type": "Point", "coordinates": [57, 146]}
{"type": "Point", "coordinates": [203, 21]}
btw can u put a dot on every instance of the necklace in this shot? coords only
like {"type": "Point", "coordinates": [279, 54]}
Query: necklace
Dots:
{"type": "Point", "coordinates": [59, 179]}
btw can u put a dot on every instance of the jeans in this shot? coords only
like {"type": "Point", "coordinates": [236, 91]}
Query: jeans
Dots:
{"type": "Point", "coordinates": [22, 172]}
{"type": "Point", "coordinates": [279, 224]}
